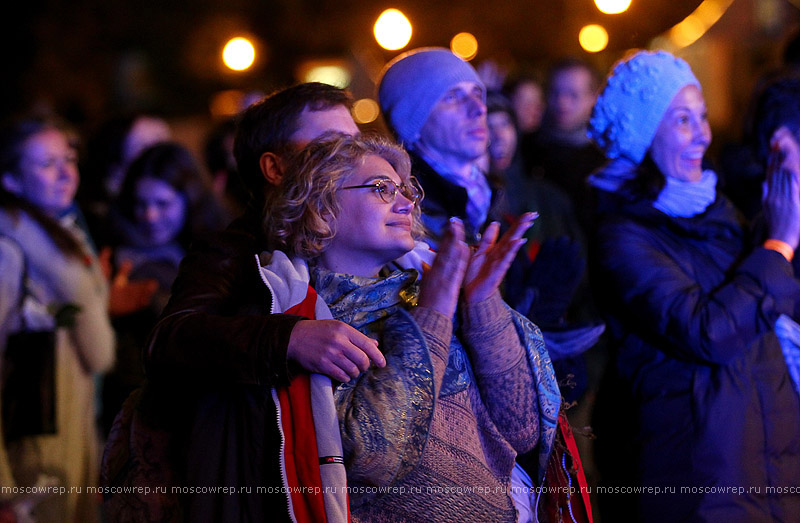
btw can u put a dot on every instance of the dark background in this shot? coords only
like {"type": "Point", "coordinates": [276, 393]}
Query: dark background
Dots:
{"type": "Point", "coordinates": [87, 59]}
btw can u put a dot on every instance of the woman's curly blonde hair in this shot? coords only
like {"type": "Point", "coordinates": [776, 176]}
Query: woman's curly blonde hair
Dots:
{"type": "Point", "coordinates": [300, 217]}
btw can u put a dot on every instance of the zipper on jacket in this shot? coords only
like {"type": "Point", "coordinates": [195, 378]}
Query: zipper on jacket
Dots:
{"type": "Point", "coordinates": [282, 450]}
{"type": "Point", "coordinates": [277, 401]}
{"type": "Point", "coordinates": [272, 305]}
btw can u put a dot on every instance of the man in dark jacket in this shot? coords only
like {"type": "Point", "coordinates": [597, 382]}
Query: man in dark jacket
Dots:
{"type": "Point", "coordinates": [209, 285]}
{"type": "Point", "coordinates": [435, 104]}
{"type": "Point", "coordinates": [216, 352]}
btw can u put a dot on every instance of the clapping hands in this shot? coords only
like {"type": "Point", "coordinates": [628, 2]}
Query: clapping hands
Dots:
{"type": "Point", "coordinates": [782, 188]}
{"type": "Point", "coordinates": [489, 263]}
{"type": "Point", "coordinates": [477, 271]}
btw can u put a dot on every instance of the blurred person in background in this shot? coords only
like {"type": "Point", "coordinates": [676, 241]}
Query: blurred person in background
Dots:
{"type": "Point", "coordinates": [51, 280]}
{"type": "Point", "coordinates": [775, 103]}
{"type": "Point", "coordinates": [109, 151]}
{"type": "Point", "coordinates": [165, 203]}
{"type": "Point", "coordinates": [694, 309]}
{"type": "Point", "coordinates": [563, 152]}
{"type": "Point", "coordinates": [221, 164]}
{"type": "Point", "coordinates": [527, 95]}
{"type": "Point", "coordinates": [520, 192]}
{"type": "Point", "coordinates": [220, 159]}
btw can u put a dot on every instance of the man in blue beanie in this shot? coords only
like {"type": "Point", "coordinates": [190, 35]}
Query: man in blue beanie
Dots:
{"type": "Point", "coordinates": [435, 104]}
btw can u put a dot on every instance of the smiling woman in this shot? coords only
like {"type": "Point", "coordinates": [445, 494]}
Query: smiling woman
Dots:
{"type": "Point", "coordinates": [47, 265]}
{"type": "Point", "coordinates": [373, 229]}
{"type": "Point", "coordinates": [683, 136]}
{"type": "Point", "coordinates": [693, 307]}
{"type": "Point", "coordinates": [439, 425]}
{"type": "Point", "coordinates": [165, 203]}
{"type": "Point", "coordinates": [312, 197]}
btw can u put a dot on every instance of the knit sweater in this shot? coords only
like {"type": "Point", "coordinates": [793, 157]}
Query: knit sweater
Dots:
{"type": "Point", "coordinates": [433, 435]}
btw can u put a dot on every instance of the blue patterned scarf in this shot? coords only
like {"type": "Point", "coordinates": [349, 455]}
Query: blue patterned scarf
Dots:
{"type": "Point", "coordinates": [365, 303]}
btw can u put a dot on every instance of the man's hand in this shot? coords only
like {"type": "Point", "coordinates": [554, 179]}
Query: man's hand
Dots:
{"type": "Point", "coordinates": [333, 348]}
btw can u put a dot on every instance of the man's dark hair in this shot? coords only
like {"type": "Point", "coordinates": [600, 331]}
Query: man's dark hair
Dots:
{"type": "Point", "coordinates": [566, 64]}
{"type": "Point", "coordinates": [777, 104]}
{"type": "Point", "coordinates": [268, 125]}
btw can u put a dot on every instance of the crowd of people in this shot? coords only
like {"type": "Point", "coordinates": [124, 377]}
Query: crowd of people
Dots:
{"type": "Point", "coordinates": [523, 290]}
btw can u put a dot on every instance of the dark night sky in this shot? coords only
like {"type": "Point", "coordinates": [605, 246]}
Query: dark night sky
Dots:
{"type": "Point", "coordinates": [72, 54]}
{"type": "Point", "coordinates": [89, 59]}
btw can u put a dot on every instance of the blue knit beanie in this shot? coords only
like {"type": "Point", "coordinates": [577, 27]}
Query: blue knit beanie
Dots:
{"type": "Point", "coordinates": [413, 82]}
{"type": "Point", "coordinates": [634, 100]}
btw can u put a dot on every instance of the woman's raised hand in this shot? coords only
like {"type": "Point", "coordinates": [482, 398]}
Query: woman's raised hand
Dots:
{"type": "Point", "coordinates": [782, 194]}
{"type": "Point", "coordinates": [441, 283]}
{"type": "Point", "coordinates": [489, 263]}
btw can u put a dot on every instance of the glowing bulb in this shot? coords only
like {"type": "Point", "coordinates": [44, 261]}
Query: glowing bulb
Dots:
{"type": "Point", "coordinates": [392, 30]}
{"type": "Point", "coordinates": [593, 38]}
{"type": "Point", "coordinates": [612, 7]}
{"type": "Point", "coordinates": [464, 45]}
{"type": "Point", "coordinates": [238, 54]}
{"type": "Point", "coordinates": [365, 110]}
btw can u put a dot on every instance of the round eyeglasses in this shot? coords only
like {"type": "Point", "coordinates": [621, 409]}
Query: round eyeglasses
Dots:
{"type": "Point", "coordinates": [387, 189]}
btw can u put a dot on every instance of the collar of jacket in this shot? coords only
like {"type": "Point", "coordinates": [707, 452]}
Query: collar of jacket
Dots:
{"type": "Point", "coordinates": [440, 193]}
{"type": "Point", "coordinates": [720, 219]}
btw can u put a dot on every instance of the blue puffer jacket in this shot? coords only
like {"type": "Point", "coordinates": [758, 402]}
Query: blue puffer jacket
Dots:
{"type": "Point", "coordinates": [693, 310]}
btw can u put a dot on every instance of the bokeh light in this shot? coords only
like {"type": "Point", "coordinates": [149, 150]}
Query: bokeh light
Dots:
{"type": "Point", "coordinates": [464, 45]}
{"type": "Point", "coordinates": [392, 30]}
{"type": "Point", "coordinates": [226, 103]}
{"type": "Point", "coordinates": [688, 31]}
{"type": "Point", "coordinates": [239, 54]}
{"type": "Point", "coordinates": [691, 28]}
{"type": "Point", "coordinates": [612, 7]}
{"type": "Point", "coordinates": [331, 72]}
{"type": "Point", "coordinates": [365, 110]}
{"type": "Point", "coordinates": [593, 38]}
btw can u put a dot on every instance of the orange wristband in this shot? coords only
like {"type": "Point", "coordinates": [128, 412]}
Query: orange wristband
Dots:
{"type": "Point", "coordinates": [782, 247]}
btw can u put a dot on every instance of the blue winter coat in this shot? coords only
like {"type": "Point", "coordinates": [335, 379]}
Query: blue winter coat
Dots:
{"type": "Point", "coordinates": [693, 310]}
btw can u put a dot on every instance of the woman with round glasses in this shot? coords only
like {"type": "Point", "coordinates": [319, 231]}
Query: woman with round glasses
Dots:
{"type": "Point", "coordinates": [387, 189]}
{"type": "Point", "coordinates": [467, 383]}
